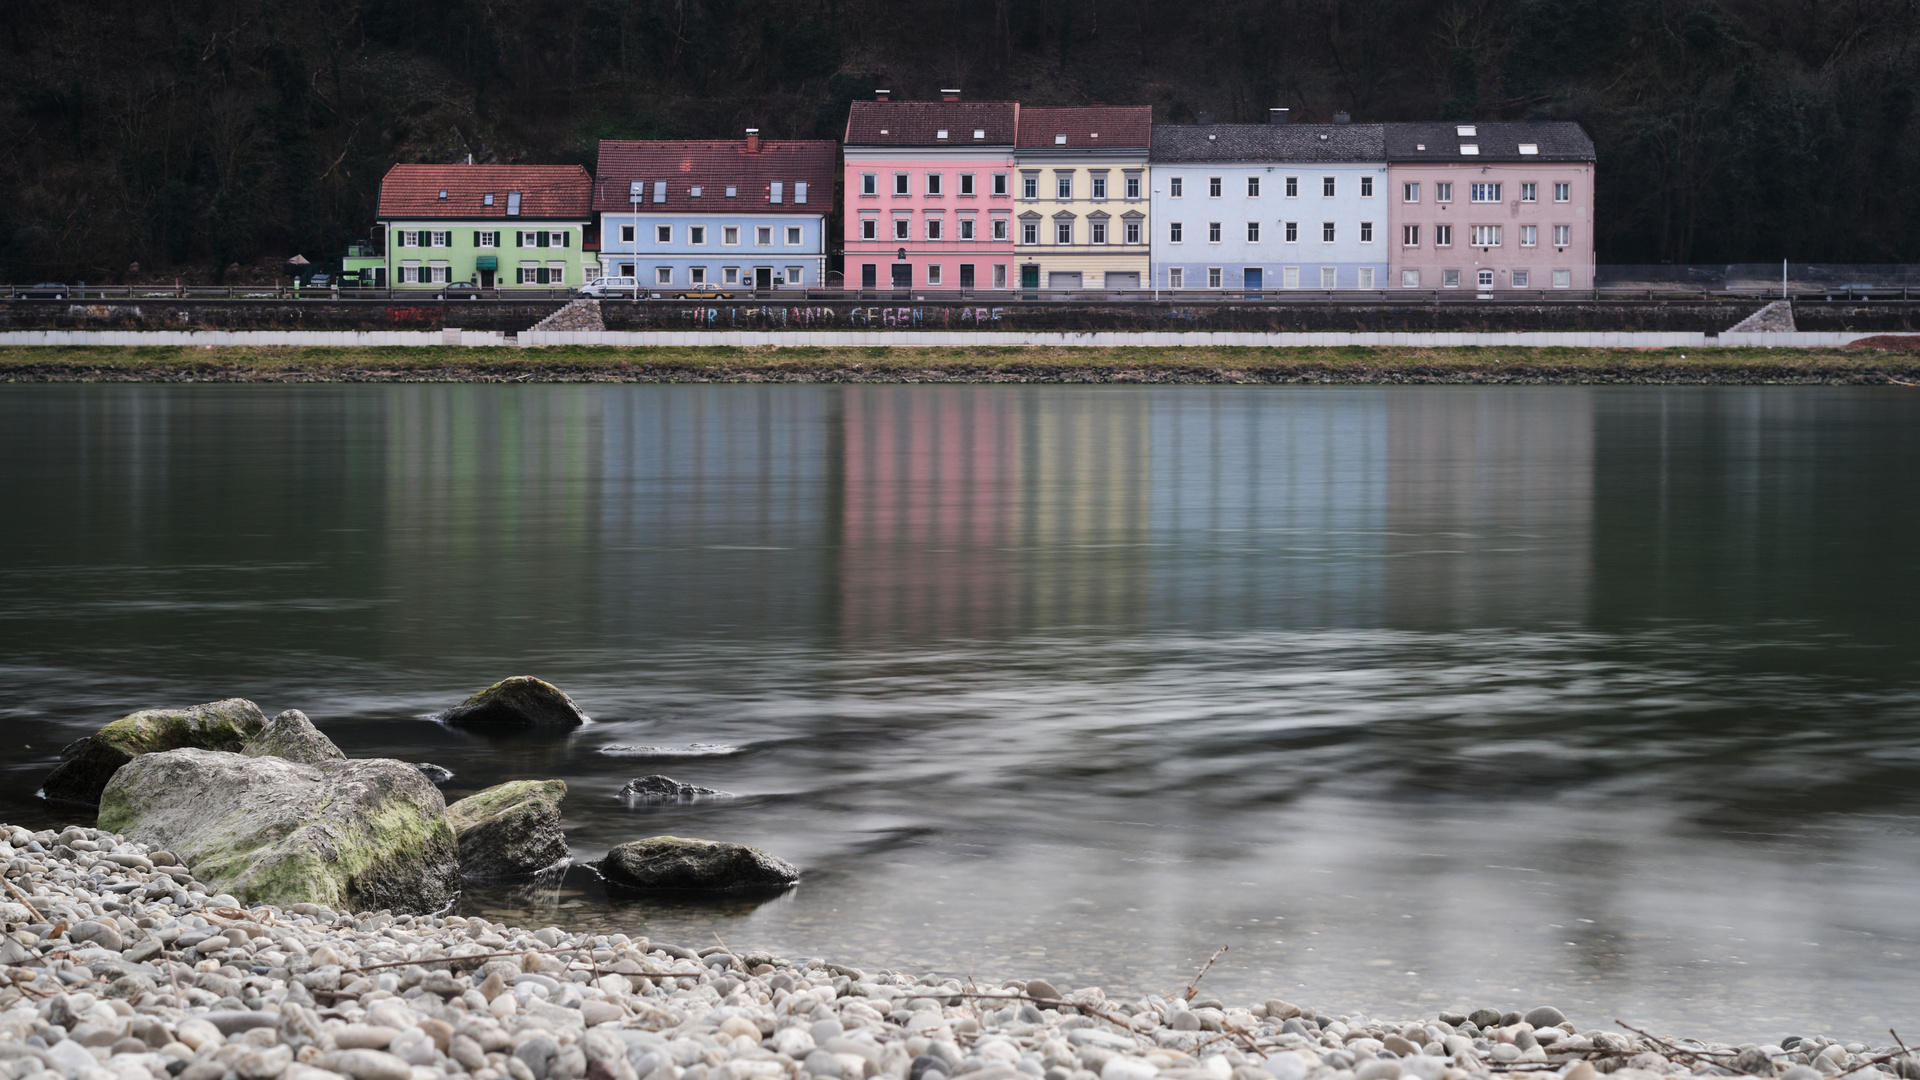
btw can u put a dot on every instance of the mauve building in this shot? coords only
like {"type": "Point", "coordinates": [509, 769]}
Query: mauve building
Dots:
{"type": "Point", "coordinates": [929, 193]}
{"type": "Point", "coordinates": [1490, 207]}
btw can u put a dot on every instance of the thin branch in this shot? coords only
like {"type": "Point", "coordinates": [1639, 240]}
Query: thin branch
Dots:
{"type": "Point", "coordinates": [1194, 986]}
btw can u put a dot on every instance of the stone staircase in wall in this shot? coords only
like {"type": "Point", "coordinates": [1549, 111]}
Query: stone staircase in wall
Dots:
{"type": "Point", "coordinates": [578, 315]}
{"type": "Point", "coordinates": [1775, 318]}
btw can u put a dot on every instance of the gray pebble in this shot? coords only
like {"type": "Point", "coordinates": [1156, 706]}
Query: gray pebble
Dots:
{"type": "Point", "coordinates": [1545, 1016]}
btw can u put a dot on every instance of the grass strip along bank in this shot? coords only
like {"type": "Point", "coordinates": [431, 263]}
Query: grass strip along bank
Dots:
{"type": "Point", "coordinates": [1028, 364]}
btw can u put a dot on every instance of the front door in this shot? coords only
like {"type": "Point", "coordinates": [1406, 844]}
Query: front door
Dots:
{"type": "Point", "coordinates": [1254, 276]}
{"type": "Point", "coordinates": [486, 279]}
{"type": "Point", "coordinates": [903, 275]}
{"type": "Point", "coordinates": [869, 276]}
{"type": "Point", "coordinates": [1030, 277]}
{"type": "Point", "coordinates": [763, 277]}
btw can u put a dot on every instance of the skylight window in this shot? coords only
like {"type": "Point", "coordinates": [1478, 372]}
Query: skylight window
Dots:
{"type": "Point", "coordinates": [1419, 146]}
{"type": "Point", "coordinates": [799, 191]}
{"type": "Point", "coordinates": [941, 134]}
{"type": "Point", "coordinates": [1469, 149]}
{"type": "Point", "coordinates": [694, 191]}
{"type": "Point", "coordinates": [1465, 131]}
{"type": "Point", "coordinates": [443, 193]}
{"type": "Point", "coordinates": [883, 131]}
{"type": "Point", "coordinates": [1059, 140]}
{"type": "Point", "coordinates": [659, 191]}
{"type": "Point", "coordinates": [732, 191]}
{"type": "Point", "coordinates": [513, 204]}
{"type": "Point", "coordinates": [1529, 149]}
{"type": "Point", "coordinates": [487, 199]}
{"type": "Point", "coordinates": [979, 133]}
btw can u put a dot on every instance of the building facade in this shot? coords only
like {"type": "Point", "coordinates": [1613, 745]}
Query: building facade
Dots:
{"type": "Point", "coordinates": [715, 214]}
{"type": "Point", "coordinates": [1491, 207]}
{"type": "Point", "coordinates": [497, 226]}
{"type": "Point", "coordinates": [1276, 206]}
{"type": "Point", "coordinates": [928, 200]}
{"type": "Point", "coordinates": [1082, 198]}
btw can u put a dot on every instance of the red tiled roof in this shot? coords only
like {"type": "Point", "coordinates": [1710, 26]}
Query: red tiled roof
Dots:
{"type": "Point", "coordinates": [1087, 127]}
{"type": "Point", "coordinates": [712, 166]}
{"type": "Point", "coordinates": [919, 123]}
{"type": "Point", "coordinates": [546, 191]}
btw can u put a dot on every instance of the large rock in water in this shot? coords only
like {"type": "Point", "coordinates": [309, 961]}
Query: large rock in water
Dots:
{"type": "Point", "coordinates": [520, 702]}
{"type": "Point", "coordinates": [292, 736]}
{"type": "Point", "coordinates": [351, 835]}
{"type": "Point", "coordinates": [217, 725]}
{"type": "Point", "coordinates": [677, 864]}
{"type": "Point", "coordinates": [510, 830]}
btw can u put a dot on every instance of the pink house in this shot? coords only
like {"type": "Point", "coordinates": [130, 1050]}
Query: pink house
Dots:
{"type": "Point", "coordinates": [929, 193]}
{"type": "Point", "coordinates": [1490, 207]}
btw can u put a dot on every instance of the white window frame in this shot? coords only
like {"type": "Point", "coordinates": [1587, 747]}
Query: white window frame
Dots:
{"type": "Point", "coordinates": [793, 236]}
{"type": "Point", "coordinates": [966, 184]}
{"type": "Point", "coordinates": [663, 275]}
{"type": "Point", "coordinates": [486, 238]}
{"type": "Point", "coordinates": [870, 184]}
{"type": "Point", "coordinates": [1063, 233]}
{"type": "Point", "coordinates": [1253, 232]}
{"type": "Point", "coordinates": [439, 272]}
{"type": "Point", "coordinates": [933, 273]}
{"type": "Point", "coordinates": [1485, 192]}
{"type": "Point", "coordinates": [1366, 187]}
{"type": "Point", "coordinates": [663, 234]}
{"type": "Point", "coordinates": [1096, 231]}
{"type": "Point", "coordinates": [763, 236]}
{"type": "Point", "coordinates": [999, 228]}
{"type": "Point", "coordinates": [1329, 278]}
{"type": "Point", "coordinates": [1176, 277]}
{"type": "Point", "coordinates": [1449, 279]}
{"type": "Point", "coordinates": [1215, 275]}
{"type": "Point", "coordinates": [1289, 277]}
{"type": "Point", "coordinates": [730, 236]}
{"type": "Point", "coordinates": [1176, 187]}
{"type": "Point", "coordinates": [409, 273]}
{"type": "Point", "coordinates": [966, 228]}
{"type": "Point", "coordinates": [934, 184]}
{"type": "Point", "coordinates": [626, 234]}
{"type": "Point", "coordinates": [1213, 232]}
{"type": "Point", "coordinates": [1529, 192]}
{"type": "Point", "coordinates": [796, 275]}
{"type": "Point", "coordinates": [1293, 187]}
{"type": "Point", "coordinates": [1485, 236]}
{"type": "Point", "coordinates": [1097, 185]}
{"type": "Point", "coordinates": [1529, 235]}
{"type": "Point", "coordinates": [902, 228]}
{"type": "Point", "coordinates": [1062, 186]}
{"type": "Point", "coordinates": [1213, 189]}
{"type": "Point", "coordinates": [730, 275]}
{"type": "Point", "coordinates": [696, 275]}
{"type": "Point", "coordinates": [1132, 230]}
{"type": "Point", "coordinates": [1409, 279]}
{"type": "Point", "coordinates": [1329, 232]}
{"type": "Point", "coordinates": [1562, 236]}
{"type": "Point", "coordinates": [1176, 233]}
{"type": "Point", "coordinates": [1443, 235]}
{"type": "Point", "coordinates": [869, 228]}
{"type": "Point", "coordinates": [1563, 279]}
{"type": "Point", "coordinates": [1410, 192]}
{"type": "Point", "coordinates": [696, 235]}
{"type": "Point", "coordinates": [902, 184]}
{"type": "Point", "coordinates": [1029, 185]}
{"type": "Point", "coordinates": [1366, 277]}
{"type": "Point", "coordinates": [1253, 187]}
{"type": "Point", "coordinates": [1029, 232]}
{"type": "Point", "coordinates": [1410, 236]}
{"type": "Point", "coordinates": [1522, 279]}
{"type": "Point", "coordinates": [1443, 191]}
{"type": "Point", "coordinates": [1000, 183]}
{"type": "Point", "coordinates": [1562, 191]}
{"type": "Point", "coordinates": [1329, 187]}
{"type": "Point", "coordinates": [1132, 187]}
{"type": "Point", "coordinates": [934, 227]}
{"type": "Point", "coordinates": [1366, 232]}
{"type": "Point", "coordinates": [1291, 233]}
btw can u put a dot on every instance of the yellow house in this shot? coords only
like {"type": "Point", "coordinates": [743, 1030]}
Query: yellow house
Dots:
{"type": "Point", "coordinates": [1082, 196]}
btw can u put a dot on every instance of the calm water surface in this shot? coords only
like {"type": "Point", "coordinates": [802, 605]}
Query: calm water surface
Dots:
{"type": "Point", "coordinates": [1416, 698]}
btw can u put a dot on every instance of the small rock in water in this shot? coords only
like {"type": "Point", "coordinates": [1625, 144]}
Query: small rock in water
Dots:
{"type": "Point", "coordinates": [434, 773]}
{"type": "Point", "coordinates": [699, 749]}
{"type": "Point", "coordinates": [510, 830]}
{"type": "Point", "coordinates": [665, 789]}
{"type": "Point", "coordinates": [676, 864]}
{"type": "Point", "coordinates": [1545, 1016]}
{"type": "Point", "coordinates": [517, 703]}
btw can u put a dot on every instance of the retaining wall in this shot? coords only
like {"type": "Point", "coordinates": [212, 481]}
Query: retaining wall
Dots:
{"type": "Point", "coordinates": [922, 338]}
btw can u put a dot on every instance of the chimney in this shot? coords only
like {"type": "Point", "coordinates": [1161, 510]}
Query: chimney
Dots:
{"type": "Point", "coordinates": [1276, 116]}
{"type": "Point", "coordinates": [753, 140]}
{"type": "Point", "coordinates": [1342, 118]}
{"type": "Point", "coordinates": [1203, 118]}
{"type": "Point", "coordinates": [949, 95]}
{"type": "Point", "coordinates": [881, 95]}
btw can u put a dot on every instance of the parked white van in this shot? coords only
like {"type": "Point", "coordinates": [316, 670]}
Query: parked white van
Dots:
{"type": "Point", "coordinates": [601, 287]}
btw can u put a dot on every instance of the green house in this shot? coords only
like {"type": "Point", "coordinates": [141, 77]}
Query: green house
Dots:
{"type": "Point", "coordinates": [497, 226]}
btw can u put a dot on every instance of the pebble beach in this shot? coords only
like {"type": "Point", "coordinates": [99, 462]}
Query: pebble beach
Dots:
{"type": "Point", "coordinates": [118, 965]}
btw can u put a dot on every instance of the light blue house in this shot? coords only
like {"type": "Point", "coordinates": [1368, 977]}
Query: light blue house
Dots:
{"type": "Point", "coordinates": [1266, 207]}
{"type": "Point", "coordinates": [727, 214]}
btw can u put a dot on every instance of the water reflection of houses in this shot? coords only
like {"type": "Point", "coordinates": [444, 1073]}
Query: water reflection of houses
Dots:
{"type": "Point", "coordinates": [1489, 506]}
{"type": "Point", "coordinates": [980, 509]}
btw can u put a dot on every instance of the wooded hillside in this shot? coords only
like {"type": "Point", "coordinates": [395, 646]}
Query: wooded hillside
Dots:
{"type": "Point", "coordinates": [213, 137]}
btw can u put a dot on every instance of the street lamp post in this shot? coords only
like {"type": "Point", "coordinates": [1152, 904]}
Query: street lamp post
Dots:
{"type": "Point", "coordinates": [634, 191]}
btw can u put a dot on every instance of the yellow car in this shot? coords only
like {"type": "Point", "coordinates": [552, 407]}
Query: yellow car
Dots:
{"type": "Point", "coordinates": [703, 294]}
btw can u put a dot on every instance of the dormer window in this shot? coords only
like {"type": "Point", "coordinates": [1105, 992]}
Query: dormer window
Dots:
{"type": "Point", "coordinates": [1465, 131]}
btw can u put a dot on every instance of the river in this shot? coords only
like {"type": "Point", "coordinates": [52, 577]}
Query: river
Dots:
{"type": "Point", "coordinates": [1414, 697]}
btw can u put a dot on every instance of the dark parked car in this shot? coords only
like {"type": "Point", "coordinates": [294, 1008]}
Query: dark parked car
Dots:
{"type": "Point", "coordinates": [319, 281]}
{"type": "Point", "coordinates": [458, 290]}
{"type": "Point", "coordinates": [46, 290]}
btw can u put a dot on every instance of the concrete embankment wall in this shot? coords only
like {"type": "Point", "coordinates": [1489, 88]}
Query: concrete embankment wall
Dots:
{"type": "Point", "coordinates": [830, 339]}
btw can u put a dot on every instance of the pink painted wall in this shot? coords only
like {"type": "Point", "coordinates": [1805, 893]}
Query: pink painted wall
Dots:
{"type": "Point", "coordinates": [1511, 214]}
{"type": "Point", "coordinates": [947, 253]}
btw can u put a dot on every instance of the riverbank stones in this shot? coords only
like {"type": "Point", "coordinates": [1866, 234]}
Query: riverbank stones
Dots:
{"type": "Point", "coordinates": [517, 704]}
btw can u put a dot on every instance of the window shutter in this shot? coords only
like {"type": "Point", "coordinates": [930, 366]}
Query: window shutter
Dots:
{"type": "Point", "coordinates": [540, 276]}
{"type": "Point", "coordinates": [542, 241]}
{"type": "Point", "coordinates": [518, 236]}
{"type": "Point", "coordinates": [566, 240]}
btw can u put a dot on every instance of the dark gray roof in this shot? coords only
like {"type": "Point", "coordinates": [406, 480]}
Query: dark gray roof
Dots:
{"type": "Point", "coordinates": [1557, 140]}
{"type": "Point", "coordinates": [1267, 142]}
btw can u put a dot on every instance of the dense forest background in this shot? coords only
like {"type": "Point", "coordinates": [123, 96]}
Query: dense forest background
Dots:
{"type": "Point", "coordinates": [215, 138]}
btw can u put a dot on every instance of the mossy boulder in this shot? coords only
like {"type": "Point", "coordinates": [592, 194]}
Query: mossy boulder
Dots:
{"type": "Point", "coordinates": [510, 830]}
{"type": "Point", "coordinates": [520, 702]}
{"type": "Point", "coordinates": [349, 835]}
{"type": "Point", "coordinates": [292, 736]}
{"type": "Point", "coordinates": [679, 864]}
{"type": "Point", "coordinates": [91, 762]}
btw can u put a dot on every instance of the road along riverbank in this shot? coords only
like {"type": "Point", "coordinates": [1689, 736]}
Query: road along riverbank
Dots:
{"type": "Point", "coordinates": [955, 364]}
{"type": "Point", "coordinates": [118, 965]}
